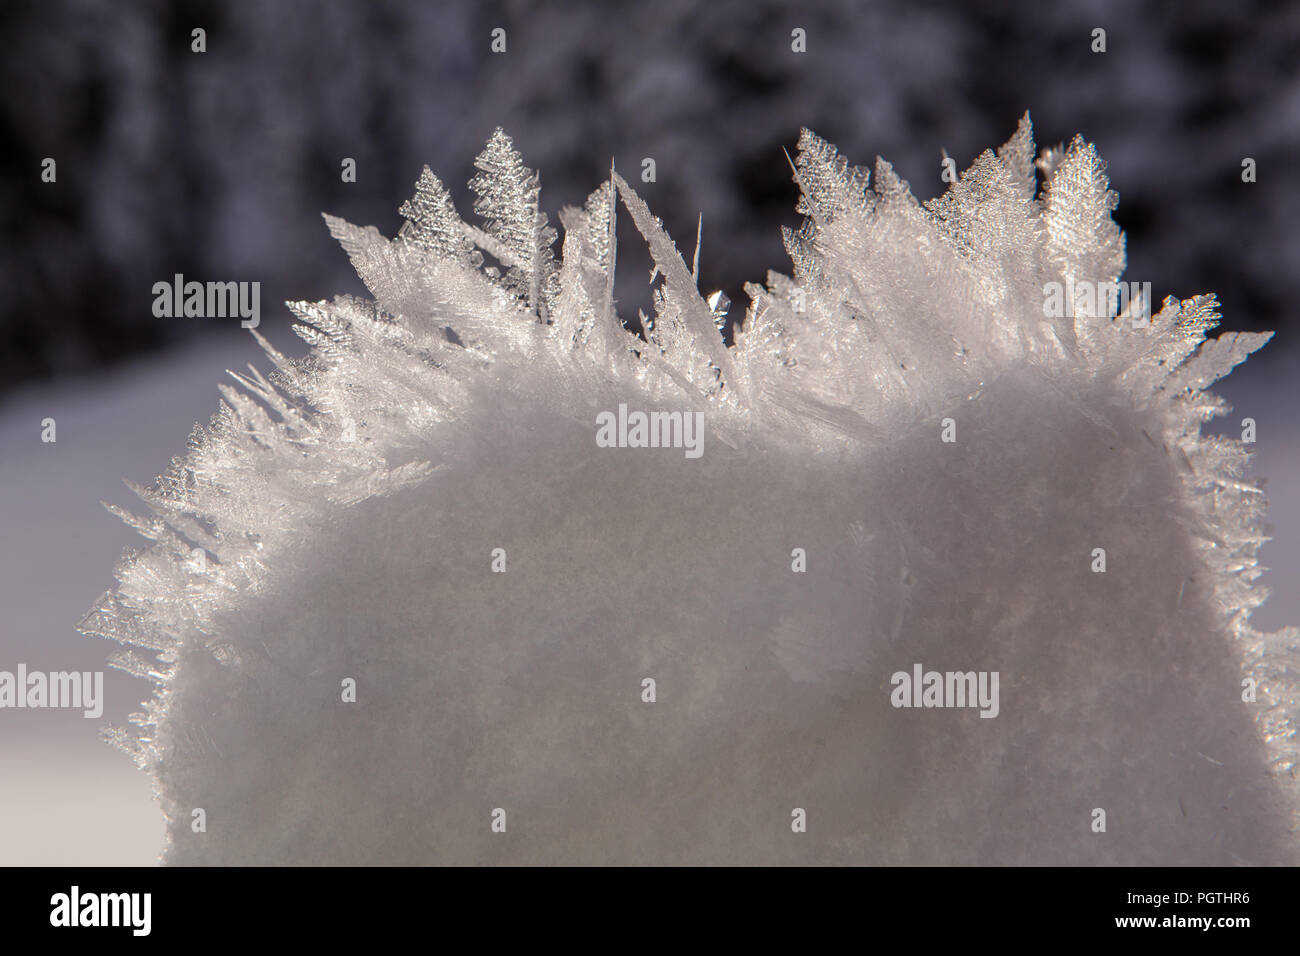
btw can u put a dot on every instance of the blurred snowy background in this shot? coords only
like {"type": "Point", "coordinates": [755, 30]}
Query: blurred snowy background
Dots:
{"type": "Point", "coordinates": [216, 165]}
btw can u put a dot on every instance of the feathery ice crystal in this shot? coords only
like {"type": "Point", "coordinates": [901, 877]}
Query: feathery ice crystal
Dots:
{"type": "Point", "coordinates": [650, 679]}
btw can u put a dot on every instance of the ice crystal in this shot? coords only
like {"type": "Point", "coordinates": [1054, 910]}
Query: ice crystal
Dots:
{"type": "Point", "coordinates": [342, 518]}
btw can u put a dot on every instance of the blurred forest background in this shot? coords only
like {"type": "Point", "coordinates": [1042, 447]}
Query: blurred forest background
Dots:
{"type": "Point", "coordinates": [216, 164]}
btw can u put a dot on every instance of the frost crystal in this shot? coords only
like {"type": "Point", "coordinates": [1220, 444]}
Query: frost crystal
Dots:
{"type": "Point", "coordinates": [420, 507]}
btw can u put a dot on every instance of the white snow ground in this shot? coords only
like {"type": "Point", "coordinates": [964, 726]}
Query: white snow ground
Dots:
{"type": "Point", "coordinates": [66, 798]}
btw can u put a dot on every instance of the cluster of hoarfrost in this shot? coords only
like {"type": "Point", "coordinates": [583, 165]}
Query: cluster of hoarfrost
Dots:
{"type": "Point", "coordinates": [898, 315]}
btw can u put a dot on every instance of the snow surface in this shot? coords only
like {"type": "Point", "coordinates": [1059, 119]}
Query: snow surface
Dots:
{"type": "Point", "coordinates": [65, 798]}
